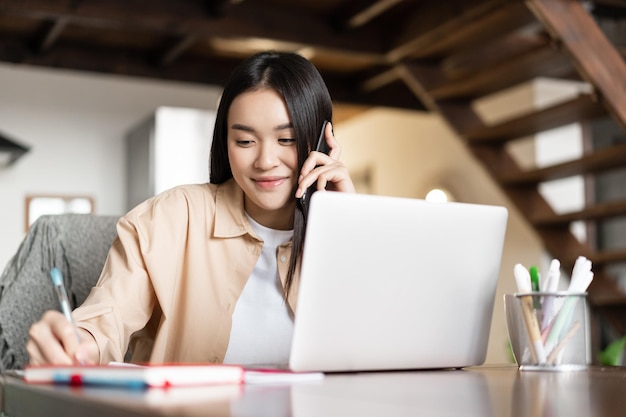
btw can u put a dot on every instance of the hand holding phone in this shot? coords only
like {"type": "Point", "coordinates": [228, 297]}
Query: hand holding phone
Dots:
{"type": "Point", "coordinates": [321, 146]}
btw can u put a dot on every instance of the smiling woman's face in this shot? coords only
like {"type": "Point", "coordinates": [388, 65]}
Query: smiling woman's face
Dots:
{"type": "Point", "coordinates": [263, 156]}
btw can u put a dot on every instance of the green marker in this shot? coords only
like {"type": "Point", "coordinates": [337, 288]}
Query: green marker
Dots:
{"type": "Point", "coordinates": [534, 284]}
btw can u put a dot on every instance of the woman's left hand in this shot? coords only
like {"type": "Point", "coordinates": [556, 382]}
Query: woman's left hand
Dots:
{"type": "Point", "coordinates": [329, 173]}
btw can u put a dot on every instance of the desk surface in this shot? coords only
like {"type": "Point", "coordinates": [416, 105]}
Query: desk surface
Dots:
{"type": "Point", "coordinates": [481, 391]}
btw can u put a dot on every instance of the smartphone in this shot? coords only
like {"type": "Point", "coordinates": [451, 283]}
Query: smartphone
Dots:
{"type": "Point", "coordinates": [321, 146]}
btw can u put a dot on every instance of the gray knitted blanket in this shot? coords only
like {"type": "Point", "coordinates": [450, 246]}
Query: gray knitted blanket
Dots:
{"type": "Point", "coordinates": [75, 243]}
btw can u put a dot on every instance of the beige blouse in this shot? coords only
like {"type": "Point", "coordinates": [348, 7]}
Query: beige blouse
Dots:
{"type": "Point", "coordinates": [173, 276]}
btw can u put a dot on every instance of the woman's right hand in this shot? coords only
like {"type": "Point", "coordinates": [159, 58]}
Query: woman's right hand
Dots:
{"type": "Point", "coordinates": [327, 170]}
{"type": "Point", "coordinates": [52, 340]}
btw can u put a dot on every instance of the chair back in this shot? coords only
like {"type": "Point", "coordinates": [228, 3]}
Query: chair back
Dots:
{"type": "Point", "coordinates": [78, 245]}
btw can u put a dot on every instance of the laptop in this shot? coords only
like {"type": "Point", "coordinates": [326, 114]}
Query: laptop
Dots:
{"type": "Point", "coordinates": [391, 283]}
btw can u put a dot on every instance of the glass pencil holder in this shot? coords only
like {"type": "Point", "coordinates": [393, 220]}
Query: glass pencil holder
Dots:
{"type": "Point", "coordinates": [548, 331]}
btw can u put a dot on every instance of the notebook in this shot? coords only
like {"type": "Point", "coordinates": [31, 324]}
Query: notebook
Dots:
{"type": "Point", "coordinates": [132, 376]}
{"type": "Point", "coordinates": [390, 283]}
{"type": "Point", "coordinates": [135, 376]}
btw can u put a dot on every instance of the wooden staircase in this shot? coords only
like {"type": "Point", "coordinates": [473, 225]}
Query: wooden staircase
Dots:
{"type": "Point", "coordinates": [495, 45]}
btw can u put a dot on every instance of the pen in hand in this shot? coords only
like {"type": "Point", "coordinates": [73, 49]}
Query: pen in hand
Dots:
{"type": "Point", "coordinates": [57, 280]}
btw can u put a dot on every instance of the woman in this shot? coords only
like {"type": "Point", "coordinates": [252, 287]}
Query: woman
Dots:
{"type": "Point", "coordinates": [209, 272]}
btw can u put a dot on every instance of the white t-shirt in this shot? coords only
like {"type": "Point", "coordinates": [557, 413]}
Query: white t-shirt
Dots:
{"type": "Point", "coordinates": [262, 324]}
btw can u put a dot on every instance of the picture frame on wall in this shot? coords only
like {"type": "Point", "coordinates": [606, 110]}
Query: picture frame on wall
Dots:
{"type": "Point", "coordinates": [41, 204]}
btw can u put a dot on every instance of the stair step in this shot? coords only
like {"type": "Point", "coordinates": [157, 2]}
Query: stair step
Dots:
{"type": "Point", "coordinates": [581, 108]}
{"type": "Point", "coordinates": [595, 212]}
{"type": "Point", "coordinates": [540, 62]}
{"type": "Point", "coordinates": [602, 160]}
{"type": "Point", "coordinates": [608, 257]}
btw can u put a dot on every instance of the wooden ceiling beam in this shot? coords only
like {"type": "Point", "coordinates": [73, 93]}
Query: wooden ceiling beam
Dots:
{"type": "Point", "coordinates": [243, 20]}
{"type": "Point", "coordinates": [381, 80]}
{"type": "Point", "coordinates": [51, 33]}
{"type": "Point", "coordinates": [355, 14]}
{"type": "Point", "coordinates": [207, 70]}
{"type": "Point", "coordinates": [465, 24]}
{"type": "Point", "coordinates": [204, 70]}
{"type": "Point", "coordinates": [370, 12]}
{"type": "Point", "coordinates": [216, 8]}
{"type": "Point", "coordinates": [177, 50]}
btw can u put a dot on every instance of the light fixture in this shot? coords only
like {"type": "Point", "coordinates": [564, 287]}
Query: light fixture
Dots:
{"type": "Point", "coordinates": [439, 195]}
{"type": "Point", "coordinates": [10, 151]}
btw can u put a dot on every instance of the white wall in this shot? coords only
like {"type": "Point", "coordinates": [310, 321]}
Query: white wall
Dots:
{"type": "Point", "coordinates": [75, 124]}
{"type": "Point", "coordinates": [182, 139]}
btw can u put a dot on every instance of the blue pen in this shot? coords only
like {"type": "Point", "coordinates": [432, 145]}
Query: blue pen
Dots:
{"type": "Point", "coordinates": [78, 379]}
{"type": "Point", "coordinates": [57, 280]}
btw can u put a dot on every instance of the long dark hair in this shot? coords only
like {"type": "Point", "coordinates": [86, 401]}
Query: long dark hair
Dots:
{"type": "Point", "coordinates": [308, 101]}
